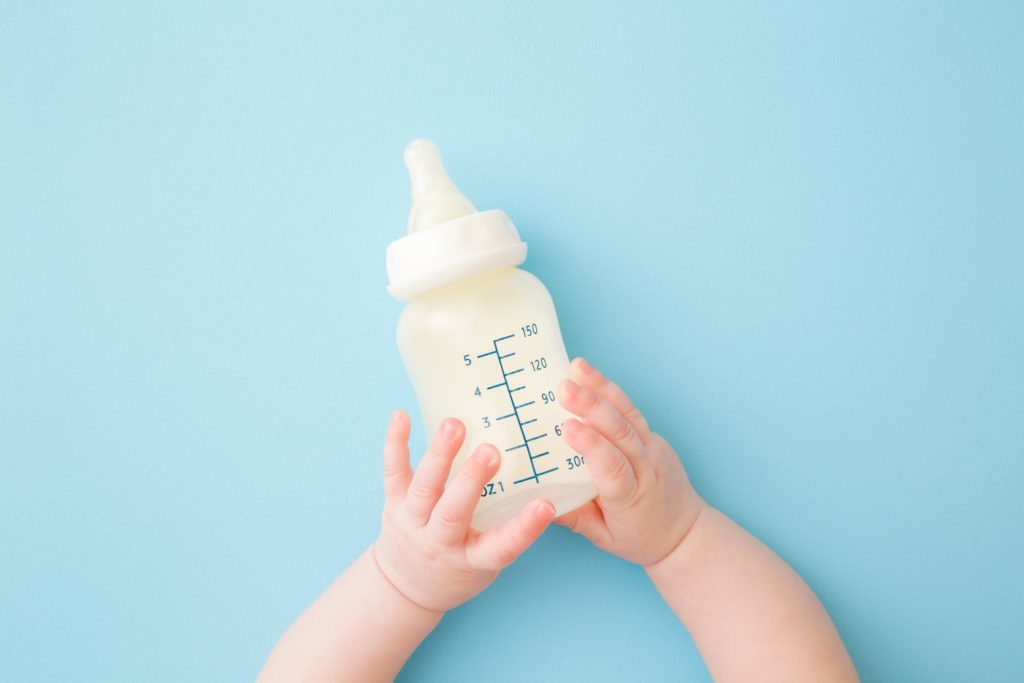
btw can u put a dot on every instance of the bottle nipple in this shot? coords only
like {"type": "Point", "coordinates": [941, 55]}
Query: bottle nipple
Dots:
{"type": "Point", "coordinates": [435, 199]}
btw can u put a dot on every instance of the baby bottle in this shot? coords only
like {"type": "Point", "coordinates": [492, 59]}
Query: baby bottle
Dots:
{"type": "Point", "coordinates": [481, 342]}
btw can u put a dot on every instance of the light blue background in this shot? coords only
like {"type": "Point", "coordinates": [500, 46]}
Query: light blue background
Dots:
{"type": "Point", "coordinates": [794, 233]}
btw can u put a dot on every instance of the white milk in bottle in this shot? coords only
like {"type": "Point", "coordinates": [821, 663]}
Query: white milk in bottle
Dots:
{"type": "Point", "coordinates": [480, 341]}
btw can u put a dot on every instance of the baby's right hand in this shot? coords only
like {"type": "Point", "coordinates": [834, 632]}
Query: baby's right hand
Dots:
{"type": "Point", "coordinates": [645, 504]}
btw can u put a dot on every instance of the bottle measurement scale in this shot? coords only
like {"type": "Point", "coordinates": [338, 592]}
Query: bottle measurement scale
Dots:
{"type": "Point", "coordinates": [510, 383]}
{"type": "Point", "coordinates": [457, 269]}
{"type": "Point", "coordinates": [546, 396]}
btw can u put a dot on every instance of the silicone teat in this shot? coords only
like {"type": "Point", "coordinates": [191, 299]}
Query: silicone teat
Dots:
{"type": "Point", "coordinates": [435, 199]}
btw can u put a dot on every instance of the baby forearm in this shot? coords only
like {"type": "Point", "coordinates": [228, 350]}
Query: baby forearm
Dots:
{"type": "Point", "coordinates": [360, 629]}
{"type": "Point", "coordinates": [736, 596]}
{"type": "Point", "coordinates": [427, 560]}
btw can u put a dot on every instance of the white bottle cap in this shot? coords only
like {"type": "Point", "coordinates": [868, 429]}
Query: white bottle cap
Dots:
{"type": "Point", "coordinates": [448, 238]}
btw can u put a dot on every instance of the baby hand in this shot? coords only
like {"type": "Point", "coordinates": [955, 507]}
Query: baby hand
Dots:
{"type": "Point", "coordinates": [645, 504]}
{"type": "Point", "coordinates": [426, 547]}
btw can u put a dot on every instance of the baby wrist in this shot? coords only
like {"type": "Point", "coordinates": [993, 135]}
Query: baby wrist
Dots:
{"type": "Point", "coordinates": [390, 586]}
{"type": "Point", "coordinates": [680, 547]}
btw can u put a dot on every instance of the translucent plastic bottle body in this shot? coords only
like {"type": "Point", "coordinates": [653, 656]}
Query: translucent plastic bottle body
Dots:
{"type": "Point", "coordinates": [488, 350]}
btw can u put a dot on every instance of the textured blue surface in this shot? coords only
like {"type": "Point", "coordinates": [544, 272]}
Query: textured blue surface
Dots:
{"type": "Point", "coordinates": [794, 233]}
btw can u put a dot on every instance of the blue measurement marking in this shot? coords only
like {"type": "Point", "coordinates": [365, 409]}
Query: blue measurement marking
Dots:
{"type": "Point", "coordinates": [540, 455]}
{"type": "Point", "coordinates": [505, 416]}
{"type": "Point", "coordinates": [534, 438]}
{"type": "Point", "coordinates": [529, 421]}
{"type": "Point", "coordinates": [489, 353]}
{"type": "Point", "coordinates": [512, 391]}
{"type": "Point", "coordinates": [512, 372]}
{"type": "Point", "coordinates": [515, 411]}
{"type": "Point", "coordinates": [495, 386]}
{"type": "Point", "coordinates": [536, 476]}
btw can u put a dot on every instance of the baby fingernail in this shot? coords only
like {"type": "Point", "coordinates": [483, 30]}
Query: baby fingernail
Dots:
{"type": "Point", "coordinates": [545, 511]}
{"type": "Point", "coordinates": [572, 390]}
{"type": "Point", "coordinates": [487, 456]}
{"type": "Point", "coordinates": [585, 367]}
{"type": "Point", "coordinates": [449, 429]}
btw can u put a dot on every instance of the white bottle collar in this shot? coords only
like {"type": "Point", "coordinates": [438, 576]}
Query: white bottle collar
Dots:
{"type": "Point", "coordinates": [453, 250]}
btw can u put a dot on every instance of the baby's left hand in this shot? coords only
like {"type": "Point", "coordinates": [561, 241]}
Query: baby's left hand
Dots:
{"type": "Point", "coordinates": [426, 548]}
